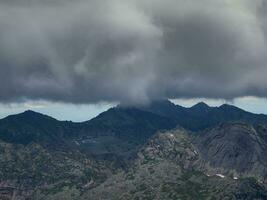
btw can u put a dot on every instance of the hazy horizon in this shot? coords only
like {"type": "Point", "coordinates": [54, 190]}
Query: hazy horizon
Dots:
{"type": "Point", "coordinates": [84, 112]}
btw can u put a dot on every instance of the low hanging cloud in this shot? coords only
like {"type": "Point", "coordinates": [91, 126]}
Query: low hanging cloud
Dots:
{"type": "Point", "coordinates": [132, 51]}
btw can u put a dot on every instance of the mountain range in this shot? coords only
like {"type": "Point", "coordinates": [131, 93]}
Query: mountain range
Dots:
{"type": "Point", "coordinates": [157, 151]}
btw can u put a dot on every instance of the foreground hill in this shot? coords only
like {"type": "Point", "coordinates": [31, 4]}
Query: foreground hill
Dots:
{"type": "Point", "coordinates": [32, 172]}
{"type": "Point", "coordinates": [167, 168]}
{"type": "Point", "coordinates": [171, 165]}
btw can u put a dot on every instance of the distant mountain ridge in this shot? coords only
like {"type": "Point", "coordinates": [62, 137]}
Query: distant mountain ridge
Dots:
{"type": "Point", "coordinates": [135, 123]}
{"type": "Point", "coordinates": [201, 116]}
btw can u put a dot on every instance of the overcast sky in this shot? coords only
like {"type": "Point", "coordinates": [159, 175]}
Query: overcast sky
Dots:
{"type": "Point", "coordinates": [131, 51]}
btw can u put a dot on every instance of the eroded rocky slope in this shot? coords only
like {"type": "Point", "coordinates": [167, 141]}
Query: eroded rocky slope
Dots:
{"type": "Point", "coordinates": [167, 168]}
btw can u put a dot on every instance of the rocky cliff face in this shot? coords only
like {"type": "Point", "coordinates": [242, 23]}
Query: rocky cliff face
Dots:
{"type": "Point", "coordinates": [174, 145]}
{"type": "Point", "coordinates": [235, 148]}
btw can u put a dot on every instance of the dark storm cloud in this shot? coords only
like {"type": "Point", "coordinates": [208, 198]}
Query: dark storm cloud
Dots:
{"type": "Point", "coordinates": [87, 51]}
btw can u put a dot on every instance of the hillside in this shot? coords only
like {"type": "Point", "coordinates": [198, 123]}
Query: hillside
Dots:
{"type": "Point", "coordinates": [136, 153]}
{"type": "Point", "coordinates": [167, 168]}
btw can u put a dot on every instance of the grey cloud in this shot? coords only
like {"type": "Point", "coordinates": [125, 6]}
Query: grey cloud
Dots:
{"type": "Point", "coordinates": [131, 51]}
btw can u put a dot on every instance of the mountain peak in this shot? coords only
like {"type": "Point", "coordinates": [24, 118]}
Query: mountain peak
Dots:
{"type": "Point", "coordinates": [225, 105]}
{"type": "Point", "coordinates": [229, 107]}
{"type": "Point", "coordinates": [30, 112]}
{"type": "Point", "coordinates": [200, 106]}
{"type": "Point", "coordinates": [29, 115]}
{"type": "Point", "coordinates": [163, 102]}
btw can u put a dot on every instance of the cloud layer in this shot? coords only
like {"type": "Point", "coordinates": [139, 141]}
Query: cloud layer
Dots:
{"type": "Point", "coordinates": [132, 51]}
